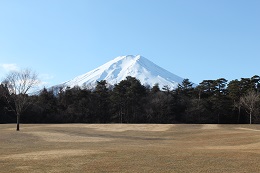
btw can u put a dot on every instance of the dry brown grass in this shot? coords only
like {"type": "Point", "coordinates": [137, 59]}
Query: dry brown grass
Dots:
{"type": "Point", "coordinates": [63, 137]}
{"type": "Point", "coordinates": [129, 148]}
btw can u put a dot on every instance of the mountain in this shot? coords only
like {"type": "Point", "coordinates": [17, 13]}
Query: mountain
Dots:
{"type": "Point", "coordinates": [119, 68]}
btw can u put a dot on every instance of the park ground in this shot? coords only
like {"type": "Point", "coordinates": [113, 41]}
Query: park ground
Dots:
{"type": "Point", "coordinates": [130, 148]}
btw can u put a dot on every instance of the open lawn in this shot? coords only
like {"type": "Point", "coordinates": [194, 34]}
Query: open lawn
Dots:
{"type": "Point", "coordinates": [129, 148]}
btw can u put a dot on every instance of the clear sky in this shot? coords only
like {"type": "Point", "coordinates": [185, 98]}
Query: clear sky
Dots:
{"type": "Point", "coordinates": [195, 39]}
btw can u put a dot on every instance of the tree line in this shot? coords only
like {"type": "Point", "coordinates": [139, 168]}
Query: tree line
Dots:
{"type": "Point", "coordinates": [212, 101]}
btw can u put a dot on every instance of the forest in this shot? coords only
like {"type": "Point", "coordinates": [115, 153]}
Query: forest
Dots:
{"type": "Point", "coordinates": [211, 101]}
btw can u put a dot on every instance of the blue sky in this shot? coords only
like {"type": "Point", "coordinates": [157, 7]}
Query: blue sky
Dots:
{"type": "Point", "coordinates": [61, 39]}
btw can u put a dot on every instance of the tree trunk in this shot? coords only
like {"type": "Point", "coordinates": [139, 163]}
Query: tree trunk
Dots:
{"type": "Point", "coordinates": [239, 112]}
{"type": "Point", "coordinates": [250, 117]}
{"type": "Point", "coordinates": [18, 122]}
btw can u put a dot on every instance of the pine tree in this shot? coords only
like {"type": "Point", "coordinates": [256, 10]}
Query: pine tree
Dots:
{"type": "Point", "coordinates": [127, 98]}
{"type": "Point", "coordinates": [102, 98]}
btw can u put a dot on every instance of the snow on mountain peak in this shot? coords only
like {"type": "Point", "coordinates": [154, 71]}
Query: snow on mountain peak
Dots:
{"type": "Point", "coordinates": [119, 68]}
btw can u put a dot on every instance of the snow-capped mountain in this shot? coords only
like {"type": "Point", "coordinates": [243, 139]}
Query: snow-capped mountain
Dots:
{"type": "Point", "coordinates": [119, 68]}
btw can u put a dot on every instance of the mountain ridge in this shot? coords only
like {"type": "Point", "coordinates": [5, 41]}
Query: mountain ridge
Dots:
{"type": "Point", "coordinates": [116, 70]}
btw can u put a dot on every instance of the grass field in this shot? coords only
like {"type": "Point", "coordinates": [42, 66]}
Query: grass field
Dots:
{"type": "Point", "coordinates": [129, 148]}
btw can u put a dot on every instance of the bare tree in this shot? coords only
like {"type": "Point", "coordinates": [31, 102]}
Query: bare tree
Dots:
{"type": "Point", "coordinates": [17, 84]}
{"type": "Point", "coordinates": [249, 102]}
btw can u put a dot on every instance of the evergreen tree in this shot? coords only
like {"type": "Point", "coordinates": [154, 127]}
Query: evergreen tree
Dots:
{"type": "Point", "coordinates": [102, 98]}
{"type": "Point", "coordinates": [247, 84]}
{"type": "Point", "coordinates": [47, 104]}
{"type": "Point", "coordinates": [207, 87]}
{"type": "Point", "coordinates": [155, 88]}
{"type": "Point", "coordinates": [127, 98]}
{"type": "Point", "coordinates": [221, 86]}
{"type": "Point", "coordinates": [256, 81]}
{"type": "Point", "coordinates": [186, 88]}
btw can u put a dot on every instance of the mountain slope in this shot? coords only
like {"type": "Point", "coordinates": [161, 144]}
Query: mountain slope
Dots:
{"type": "Point", "coordinates": [118, 69]}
